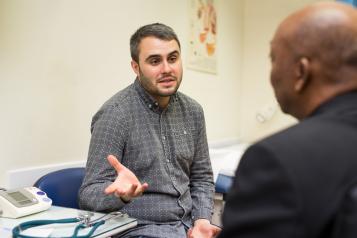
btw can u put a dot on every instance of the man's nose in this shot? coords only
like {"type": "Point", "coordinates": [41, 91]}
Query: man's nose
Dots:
{"type": "Point", "coordinates": [166, 67]}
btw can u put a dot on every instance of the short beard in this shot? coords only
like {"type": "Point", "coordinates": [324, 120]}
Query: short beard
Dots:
{"type": "Point", "coordinates": [153, 90]}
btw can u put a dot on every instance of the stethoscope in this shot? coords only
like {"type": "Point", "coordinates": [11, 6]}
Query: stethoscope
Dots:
{"type": "Point", "coordinates": [83, 219]}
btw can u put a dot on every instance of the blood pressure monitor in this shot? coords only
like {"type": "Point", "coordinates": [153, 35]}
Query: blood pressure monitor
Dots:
{"type": "Point", "coordinates": [24, 201]}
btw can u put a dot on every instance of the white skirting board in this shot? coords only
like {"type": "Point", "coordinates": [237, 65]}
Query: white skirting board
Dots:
{"type": "Point", "coordinates": [25, 177]}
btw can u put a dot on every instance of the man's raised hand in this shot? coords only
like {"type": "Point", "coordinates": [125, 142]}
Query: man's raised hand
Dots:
{"type": "Point", "coordinates": [126, 185]}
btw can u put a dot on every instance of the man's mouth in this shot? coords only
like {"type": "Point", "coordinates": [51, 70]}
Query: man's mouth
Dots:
{"type": "Point", "coordinates": [167, 79]}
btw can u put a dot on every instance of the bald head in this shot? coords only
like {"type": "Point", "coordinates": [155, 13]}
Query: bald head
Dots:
{"type": "Point", "coordinates": [327, 31]}
{"type": "Point", "coordinates": [320, 41]}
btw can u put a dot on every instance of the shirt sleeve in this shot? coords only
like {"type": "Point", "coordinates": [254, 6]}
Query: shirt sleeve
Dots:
{"type": "Point", "coordinates": [201, 176]}
{"type": "Point", "coordinates": [108, 135]}
{"type": "Point", "coordinates": [263, 201]}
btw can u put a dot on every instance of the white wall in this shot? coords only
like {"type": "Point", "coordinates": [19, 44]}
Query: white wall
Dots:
{"type": "Point", "coordinates": [61, 59]}
{"type": "Point", "coordinates": [261, 19]}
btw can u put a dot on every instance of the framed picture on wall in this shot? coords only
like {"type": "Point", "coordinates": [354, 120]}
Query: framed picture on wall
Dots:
{"type": "Point", "coordinates": [202, 54]}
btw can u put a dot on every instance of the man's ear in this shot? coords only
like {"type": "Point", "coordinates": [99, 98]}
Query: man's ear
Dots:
{"type": "Point", "coordinates": [135, 67]}
{"type": "Point", "coordinates": [302, 73]}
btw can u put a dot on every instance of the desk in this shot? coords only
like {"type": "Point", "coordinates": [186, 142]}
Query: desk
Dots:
{"type": "Point", "coordinates": [111, 227]}
{"type": "Point", "coordinates": [223, 184]}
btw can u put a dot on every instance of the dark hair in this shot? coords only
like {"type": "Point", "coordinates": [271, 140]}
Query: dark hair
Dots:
{"type": "Point", "coordinates": [157, 30]}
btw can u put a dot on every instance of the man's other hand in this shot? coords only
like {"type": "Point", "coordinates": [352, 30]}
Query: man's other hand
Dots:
{"type": "Point", "coordinates": [203, 229]}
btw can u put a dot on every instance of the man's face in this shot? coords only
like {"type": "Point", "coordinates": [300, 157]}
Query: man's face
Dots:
{"type": "Point", "coordinates": [159, 68]}
{"type": "Point", "coordinates": [282, 74]}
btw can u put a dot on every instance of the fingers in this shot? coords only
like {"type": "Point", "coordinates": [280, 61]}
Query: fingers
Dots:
{"type": "Point", "coordinates": [126, 184]}
{"type": "Point", "coordinates": [143, 187]}
{"type": "Point", "coordinates": [216, 231]}
{"type": "Point", "coordinates": [203, 229]}
{"type": "Point", "coordinates": [189, 233]}
{"type": "Point", "coordinates": [119, 190]}
{"type": "Point", "coordinates": [127, 195]}
{"type": "Point", "coordinates": [110, 189]}
{"type": "Point", "coordinates": [115, 163]}
{"type": "Point", "coordinates": [137, 190]}
{"type": "Point", "coordinates": [132, 190]}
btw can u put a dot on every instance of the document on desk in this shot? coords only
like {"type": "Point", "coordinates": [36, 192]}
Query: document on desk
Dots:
{"type": "Point", "coordinates": [38, 232]}
{"type": "Point", "coordinates": [5, 232]}
{"type": "Point", "coordinates": [110, 227]}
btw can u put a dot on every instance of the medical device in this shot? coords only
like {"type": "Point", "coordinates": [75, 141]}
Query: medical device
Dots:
{"type": "Point", "coordinates": [83, 221]}
{"type": "Point", "coordinates": [22, 202]}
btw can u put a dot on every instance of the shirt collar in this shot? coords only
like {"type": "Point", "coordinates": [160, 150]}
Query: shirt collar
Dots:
{"type": "Point", "coordinates": [149, 101]}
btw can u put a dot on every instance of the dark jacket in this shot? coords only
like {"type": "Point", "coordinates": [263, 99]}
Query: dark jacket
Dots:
{"type": "Point", "coordinates": [291, 184]}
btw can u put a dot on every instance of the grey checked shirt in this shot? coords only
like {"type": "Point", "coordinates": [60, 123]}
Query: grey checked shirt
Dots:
{"type": "Point", "coordinates": [165, 148]}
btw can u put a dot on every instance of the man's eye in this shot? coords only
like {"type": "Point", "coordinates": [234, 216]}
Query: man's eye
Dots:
{"type": "Point", "coordinates": [172, 59]}
{"type": "Point", "coordinates": [154, 61]}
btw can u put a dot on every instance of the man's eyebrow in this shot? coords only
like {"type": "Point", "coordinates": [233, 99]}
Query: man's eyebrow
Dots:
{"type": "Point", "coordinates": [152, 56]}
{"type": "Point", "coordinates": [174, 52]}
{"type": "Point", "coordinates": [159, 56]}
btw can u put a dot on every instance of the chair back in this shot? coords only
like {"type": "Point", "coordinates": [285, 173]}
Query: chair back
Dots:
{"type": "Point", "coordinates": [346, 222]}
{"type": "Point", "coordinates": [62, 186]}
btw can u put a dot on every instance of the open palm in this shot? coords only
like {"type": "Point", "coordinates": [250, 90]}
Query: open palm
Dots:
{"type": "Point", "coordinates": [126, 185]}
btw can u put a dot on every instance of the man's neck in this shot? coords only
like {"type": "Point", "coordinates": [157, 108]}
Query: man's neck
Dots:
{"type": "Point", "coordinates": [163, 101]}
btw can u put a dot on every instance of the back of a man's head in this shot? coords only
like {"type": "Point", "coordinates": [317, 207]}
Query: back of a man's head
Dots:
{"type": "Point", "coordinates": [320, 41]}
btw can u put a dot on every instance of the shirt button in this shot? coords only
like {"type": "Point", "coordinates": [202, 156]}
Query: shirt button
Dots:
{"type": "Point", "coordinates": [163, 137]}
{"type": "Point", "coordinates": [150, 106]}
{"type": "Point", "coordinates": [168, 161]}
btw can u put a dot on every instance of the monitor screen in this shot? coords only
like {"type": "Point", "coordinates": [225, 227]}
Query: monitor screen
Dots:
{"type": "Point", "coordinates": [18, 196]}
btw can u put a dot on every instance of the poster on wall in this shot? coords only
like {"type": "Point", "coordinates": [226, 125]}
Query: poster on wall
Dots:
{"type": "Point", "coordinates": [202, 54]}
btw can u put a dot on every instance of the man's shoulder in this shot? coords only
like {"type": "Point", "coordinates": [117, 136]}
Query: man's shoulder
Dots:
{"type": "Point", "coordinates": [298, 132]}
{"type": "Point", "coordinates": [187, 101]}
{"type": "Point", "coordinates": [122, 100]}
{"type": "Point", "coordinates": [118, 104]}
{"type": "Point", "coordinates": [300, 140]}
